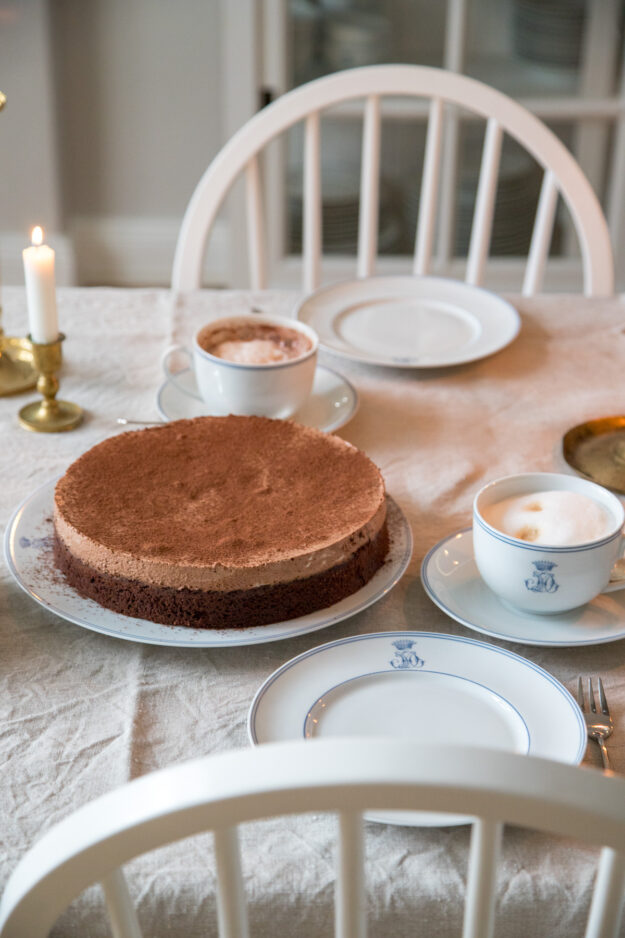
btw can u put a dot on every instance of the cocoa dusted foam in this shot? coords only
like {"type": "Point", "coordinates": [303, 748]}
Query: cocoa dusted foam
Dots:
{"type": "Point", "coordinates": [220, 521]}
{"type": "Point", "coordinates": [254, 342]}
{"type": "Point", "coordinates": [559, 518]}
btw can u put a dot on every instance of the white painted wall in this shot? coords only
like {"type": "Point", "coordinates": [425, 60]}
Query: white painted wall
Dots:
{"type": "Point", "coordinates": [29, 189]}
{"type": "Point", "coordinates": [113, 114]}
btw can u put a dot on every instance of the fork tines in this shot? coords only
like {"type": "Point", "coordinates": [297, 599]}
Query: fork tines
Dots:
{"type": "Point", "coordinates": [603, 703]}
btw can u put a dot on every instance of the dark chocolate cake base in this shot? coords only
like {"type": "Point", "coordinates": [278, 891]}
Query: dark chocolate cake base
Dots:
{"type": "Point", "coordinates": [203, 609]}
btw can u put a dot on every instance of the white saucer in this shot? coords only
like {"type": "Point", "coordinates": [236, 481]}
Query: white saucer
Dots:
{"type": "Point", "coordinates": [28, 552]}
{"type": "Point", "coordinates": [332, 403]}
{"type": "Point", "coordinates": [451, 579]}
{"type": "Point", "coordinates": [419, 685]}
{"type": "Point", "coordinates": [409, 322]}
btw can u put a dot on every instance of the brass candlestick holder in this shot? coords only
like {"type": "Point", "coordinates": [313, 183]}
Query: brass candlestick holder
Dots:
{"type": "Point", "coordinates": [49, 415]}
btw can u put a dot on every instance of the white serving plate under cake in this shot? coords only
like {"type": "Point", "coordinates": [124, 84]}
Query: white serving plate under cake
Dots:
{"type": "Point", "coordinates": [28, 552]}
{"type": "Point", "coordinates": [409, 322]}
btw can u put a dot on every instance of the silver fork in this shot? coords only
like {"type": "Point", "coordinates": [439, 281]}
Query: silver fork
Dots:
{"type": "Point", "coordinates": [599, 723]}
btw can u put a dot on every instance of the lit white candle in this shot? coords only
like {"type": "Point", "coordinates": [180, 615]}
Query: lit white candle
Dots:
{"type": "Point", "coordinates": [40, 289]}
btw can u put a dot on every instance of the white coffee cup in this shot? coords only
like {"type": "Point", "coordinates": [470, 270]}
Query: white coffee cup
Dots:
{"type": "Point", "coordinates": [264, 389]}
{"type": "Point", "coordinates": [542, 579]}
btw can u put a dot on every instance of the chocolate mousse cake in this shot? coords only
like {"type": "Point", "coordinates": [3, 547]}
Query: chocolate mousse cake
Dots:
{"type": "Point", "coordinates": [220, 522]}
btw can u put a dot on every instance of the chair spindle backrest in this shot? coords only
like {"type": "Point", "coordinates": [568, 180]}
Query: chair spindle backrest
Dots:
{"type": "Point", "coordinates": [372, 84]}
{"type": "Point", "coordinates": [345, 777]}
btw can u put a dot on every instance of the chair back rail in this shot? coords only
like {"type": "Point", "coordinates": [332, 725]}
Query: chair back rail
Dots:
{"type": "Point", "coordinates": [372, 83]}
{"type": "Point", "coordinates": [255, 226]}
{"type": "Point", "coordinates": [541, 235]}
{"type": "Point", "coordinates": [349, 904]}
{"type": "Point", "coordinates": [343, 776]}
{"type": "Point", "coordinates": [369, 188]}
{"type": "Point", "coordinates": [424, 238]}
{"type": "Point", "coordinates": [484, 204]}
{"type": "Point", "coordinates": [479, 909]}
{"type": "Point", "coordinates": [312, 203]}
{"type": "Point", "coordinates": [607, 898]}
{"type": "Point", "coordinates": [119, 906]}
{"type": "Point", "coordinates": [231, 904]}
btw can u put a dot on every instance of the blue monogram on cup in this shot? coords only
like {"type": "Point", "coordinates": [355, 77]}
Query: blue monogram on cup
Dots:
{"type": "Point", "coordinates": [405, 658]}
{"type": "Point", "coordinates": [542, 579]}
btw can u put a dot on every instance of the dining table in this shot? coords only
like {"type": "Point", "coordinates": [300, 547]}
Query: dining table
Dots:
{"type": "Point", "coordinates": [84, 712]}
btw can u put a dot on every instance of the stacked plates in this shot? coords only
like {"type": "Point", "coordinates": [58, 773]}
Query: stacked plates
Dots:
{"type": "Point", "coordinates": [304, 24]}
{"type": "Point", "coordinates": [549, 31]}
{"type": "Point", "coordinates": [354, 38]}
{"type": "Point", "coordinates": [518, 189]}
{"type": "Point", "coordinates": [340, 212]}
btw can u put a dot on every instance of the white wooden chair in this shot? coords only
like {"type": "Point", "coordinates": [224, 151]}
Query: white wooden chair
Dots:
{"type": "Point", "coordinates": [346, 776]}
{"type": "Point", "coordinates": [562, 176]}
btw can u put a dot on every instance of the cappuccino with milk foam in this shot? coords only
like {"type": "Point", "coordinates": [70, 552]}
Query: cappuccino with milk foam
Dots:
{"type": "Point", "coordinates": [557, 518]}
{"type": "Point", "coordinates": [254, 343]}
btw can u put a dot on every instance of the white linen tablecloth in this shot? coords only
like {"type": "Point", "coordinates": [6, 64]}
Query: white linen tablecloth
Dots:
{"type": "Point", "coordinates": [82, 713]}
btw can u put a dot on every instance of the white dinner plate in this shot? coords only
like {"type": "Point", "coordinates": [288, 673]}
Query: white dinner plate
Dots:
{"type": "Point", "coordinates": [420, 686]}
{"type": "Point", "coordinates": [332, 402]}
{"type": "Point", "coordinates": [28, 552]}
{"type": "Point", "coordinates": [451, 579]}
{"type": "Point", "coordinates": [409, 322]}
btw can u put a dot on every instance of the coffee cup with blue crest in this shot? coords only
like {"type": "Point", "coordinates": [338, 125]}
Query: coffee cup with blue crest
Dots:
{"type": "Point", "coordinates": [250, 365]}
{"type": "Point", "coordinates": [547, 542]}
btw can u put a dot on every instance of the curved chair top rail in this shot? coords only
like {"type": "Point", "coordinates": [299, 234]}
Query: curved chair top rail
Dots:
{"type": "Point", "coordinates": [347, 776]}
{"type": "Point", "coordinates": [563, 174]}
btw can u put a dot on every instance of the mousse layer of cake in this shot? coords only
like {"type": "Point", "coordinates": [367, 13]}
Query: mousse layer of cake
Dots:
{"type": "Point", "coordinates": [206, 609]}
{"type": "Point", "coordinates": [219, 505]}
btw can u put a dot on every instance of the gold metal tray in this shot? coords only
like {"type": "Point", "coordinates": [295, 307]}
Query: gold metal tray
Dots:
{"type": "Point", "coordinates": [597, 450]}
{"type": "Point", "coordinates": [16, 369]}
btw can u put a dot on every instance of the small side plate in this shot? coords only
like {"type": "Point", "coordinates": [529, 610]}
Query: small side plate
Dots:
{"type": "Point", "coordinates": [451, 579]}
{"type": "Point", "coordinates": [332, 403]}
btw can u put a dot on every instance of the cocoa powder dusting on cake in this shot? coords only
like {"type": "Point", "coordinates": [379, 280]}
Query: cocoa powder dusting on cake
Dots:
{"type": "Point", "coordinates": [227, 500]}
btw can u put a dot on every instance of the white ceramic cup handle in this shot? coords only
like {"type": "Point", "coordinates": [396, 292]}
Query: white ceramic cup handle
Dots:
{"type": "Point", "coordinates": [173, 375]}
{"type": "Point", "coordinates": [617, 576]}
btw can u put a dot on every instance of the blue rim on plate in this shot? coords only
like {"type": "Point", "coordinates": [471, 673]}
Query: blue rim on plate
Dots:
{"type": "Point", "coordinates": [342, 685]}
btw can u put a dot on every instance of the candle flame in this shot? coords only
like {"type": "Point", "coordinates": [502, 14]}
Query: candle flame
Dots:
{"type": "Point", "coordinates": [36, 236]}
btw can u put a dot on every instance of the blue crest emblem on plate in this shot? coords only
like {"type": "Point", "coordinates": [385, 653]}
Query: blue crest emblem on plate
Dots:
{"type": "Point", "coordinates": [542, 579]}
{"type": "Point", "coordinates": [405, 658]}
